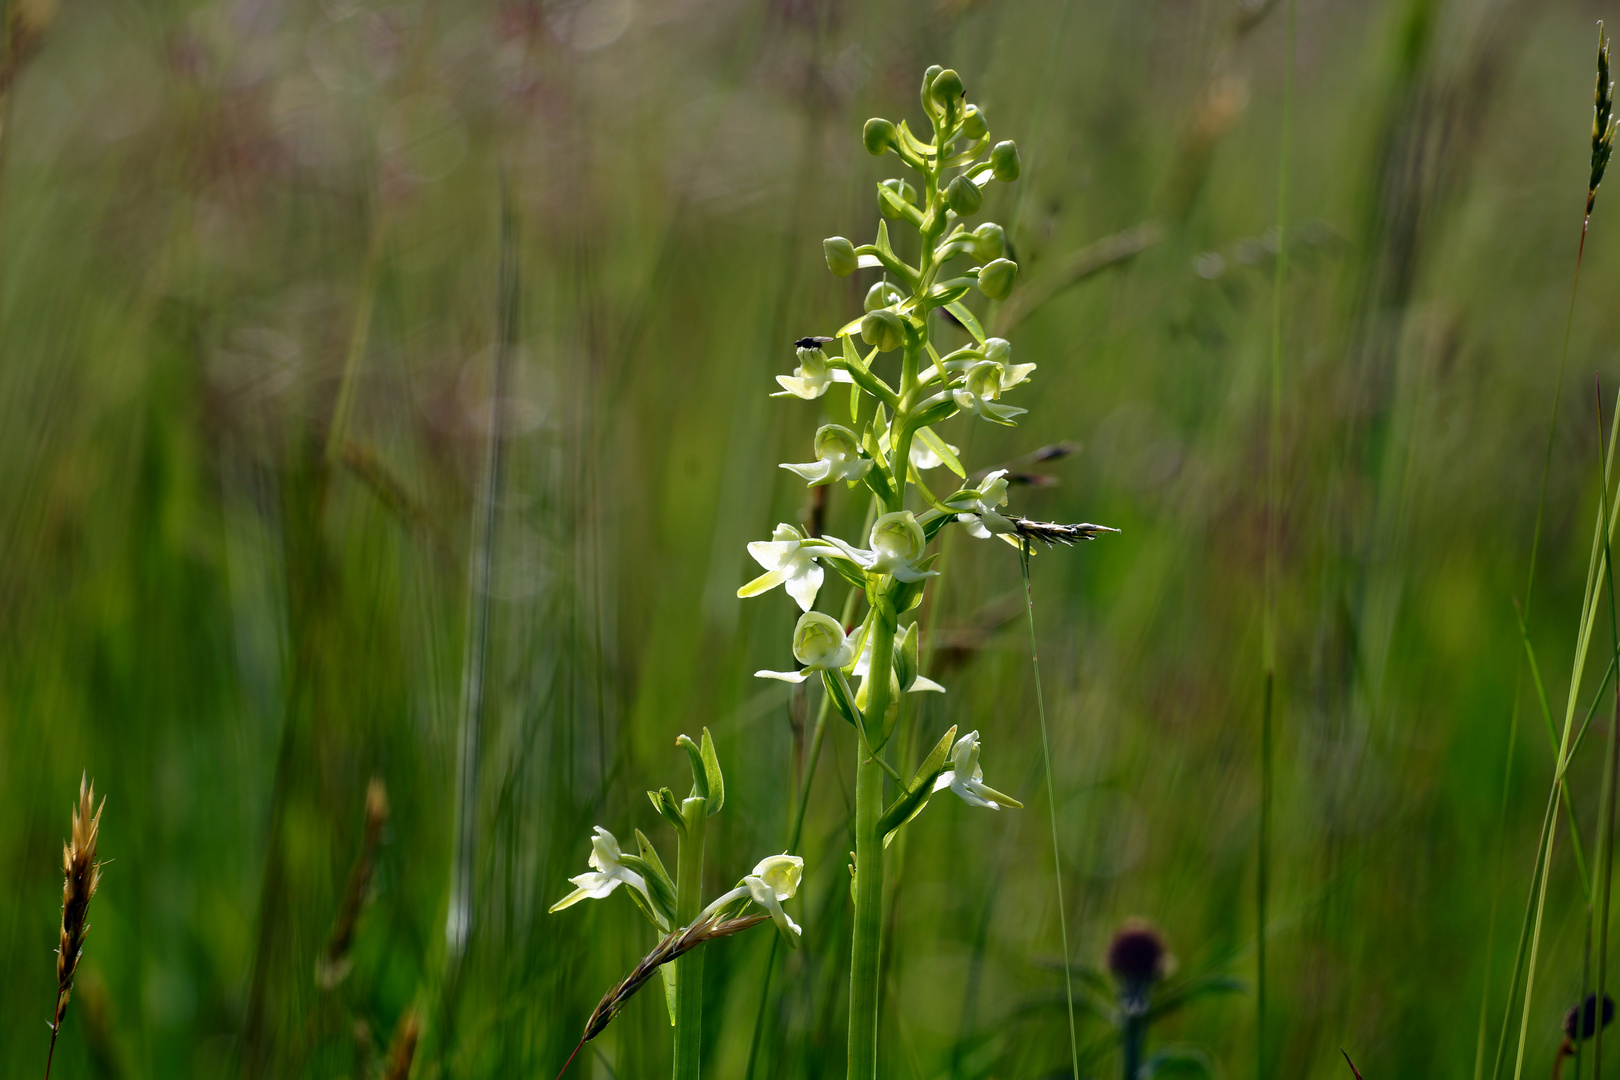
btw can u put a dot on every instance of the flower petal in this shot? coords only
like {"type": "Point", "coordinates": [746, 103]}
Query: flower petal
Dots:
{"type": "Point", "coordinates": [782, 676]}
{"type": "Point", "coordinates": [764, 583]}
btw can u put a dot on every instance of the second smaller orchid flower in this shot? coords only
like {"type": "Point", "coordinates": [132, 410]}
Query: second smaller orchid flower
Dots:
{"type": "Point", "coordinates": [838, 457]}
{"type": "Point", "coordinates": [608, 872]}
{"type": "Point", "coordinates": [979, 505]}
{"type": "Point", "coordinates": [966, 777]}
{"type": "Point", "coordinates": [819, 643]}
{"type": "Point", "coordinates": [984, 384]}
{"type": "Point", "coordinates": [811, 378]}
{"type": "Point", "coordinates": [775, 879]}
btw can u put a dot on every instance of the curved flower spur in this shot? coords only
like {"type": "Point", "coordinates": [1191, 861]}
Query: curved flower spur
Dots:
{"type": "Point", "coordinates": [675, 906]}
{"type": "Point", "coordinates": [886, 444]}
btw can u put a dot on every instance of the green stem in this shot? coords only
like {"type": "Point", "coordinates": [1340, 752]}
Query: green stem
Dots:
{"type": "Point", "coordinates": [866, 950]}
{"type": "Point", "coordinates": [1134, 1037]}
{"type": "Point", "coordinates": [689, 968]}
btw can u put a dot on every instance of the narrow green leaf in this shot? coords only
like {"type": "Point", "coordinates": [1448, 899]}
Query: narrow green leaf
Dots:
{"type": "Point", "coordinates": [663, 801]}
{"type": "Point", "coordinates": [717, 781]}
{"type": "Point", "coordinates": [700, 776]}
{"type": "Point", "coordinates": [965, 317]}
{"type": "Point", "coordinates": [936, 444]}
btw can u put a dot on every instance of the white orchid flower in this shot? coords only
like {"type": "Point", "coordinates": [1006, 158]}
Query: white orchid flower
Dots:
{"type": "Point", "coordinates": [979, 508]}
{"type": "Point", "coordinates": [790, 558]}
{"type": "Point", "coordinates": [608, 873]}
{"type": "Point", "coordinates": [838, 457]}
{"type": "Point", "coordinates": [775, 879]}
{"type": "Point", "coordinates": [898, 545]}
{"type": "Point", "coordinates": [984, 384]}
{"type": "Point", "coordinates": [819, 643]}
{"type": "Point", "coordinates": [811, 378]}
{"type": "Point", "coordinates": [966, 778]}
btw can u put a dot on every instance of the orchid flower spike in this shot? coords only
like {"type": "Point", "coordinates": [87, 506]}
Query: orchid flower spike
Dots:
{"type": "Point", "coordinates": [790, 558]}
{"type": "Point", "coordinates": [775, 879]}
{"type": "Point", "coordinates": [838, 457]}
{"type": "Point", "coordinates": [984, 384]}
{"type": "Point", "coordinates": [966, 778]}
{"type": "Point", "coordinates": [608, 873]}
{"type": "Point", "coordinates": [978, 507]}
{"type": "Point", "coordinates": [811, 378]}
{"type": "Point", "coordinates": [819, 643]}
{"type": "Point", "coordinates": [898, 545]}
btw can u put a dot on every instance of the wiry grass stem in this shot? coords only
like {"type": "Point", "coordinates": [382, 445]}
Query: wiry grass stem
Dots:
{"type": "Point", "coordinates": [1605, 851]}
{"type": "Point", "coordinates": [1051, 806]}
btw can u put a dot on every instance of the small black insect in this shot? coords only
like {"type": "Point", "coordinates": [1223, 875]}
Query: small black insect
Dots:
{"type": "Point", "coordinates": [812, 342]}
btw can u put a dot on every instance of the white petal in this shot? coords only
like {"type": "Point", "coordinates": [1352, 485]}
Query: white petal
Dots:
{"type": "Point", "coordinates": [812, 471]}
{"type": "Point", "coordinates": [783, 676]}
{"type": "Point", "coordinates": [804, 586]}
{"type": "Point", "coordinates": [920, 683]}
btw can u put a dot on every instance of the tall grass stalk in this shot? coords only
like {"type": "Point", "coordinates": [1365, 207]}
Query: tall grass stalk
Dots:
{"type": "Point", "coordinates": [1602, 530]}
{"type": "Point", "coordinates": [1051, 806]}
{"type": "Point", "coordinates": [1273, 516]}
{"type": "Point", "coordinates": [1602, 145]}
{"type": "Point", "coordinates": [1605, 849]}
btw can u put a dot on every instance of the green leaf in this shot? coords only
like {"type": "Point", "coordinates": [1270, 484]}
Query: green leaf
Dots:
{"type": "Point", "coordinates": [650, 854]}
{"type": "Point", "coordinates": [965, 317]}
{"type": "Point", "coordinates": [854, 401]}
{"type": "Point", "coordinates": [661, 892]}
{"type": "Point", "coordinates": [846, 569]}
{"type": "Point", "coordinates": [663, 801]}
{"type": "Point", "coordinates": [717, 781]}
{"type": "Point", "coordinates": [1174, 998]}
{"type": "Point", "coordinates": [927, 437]}
{"type": "Point", "coordinates": [915, 797]}
{"type": "Point", "coordinates": [700, 776]}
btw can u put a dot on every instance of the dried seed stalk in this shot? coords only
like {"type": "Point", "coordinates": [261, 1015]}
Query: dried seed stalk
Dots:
{"type": "Point", "coordinates": [81, 875]}
{"type": "Point", "coordinates": [334, 962]}
{"type": "Point", "coordinates": [671, 948]}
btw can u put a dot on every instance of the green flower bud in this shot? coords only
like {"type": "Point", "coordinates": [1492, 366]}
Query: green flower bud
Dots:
{"type": "Point", "coordinates": [989, 241]}
{"type": "Point", "coordinates": [998, 349]}
{"type": "Point", "coordinates": [947, 92]}
{"type": "Point", "coordinates": [906, 192]}
{"type": "Point", "coordinates": [884, 330]}
{"type": "Point", "coordinates": [995, 279]}
{"type": "Point", "coordinates": [928, 81]}
{"type": "Point", "coordinates": [1004, 161]}
{"type": "Point", "coordinates": [880, 136]}
{"type": "Point", "coordinates": [973, 125]}
{"type": "Point", "coordinates": [882, 295]}
{"type": "Point", "coordinates": [841, 257]}
{"type": "Point", "coordinates": [964, 196]}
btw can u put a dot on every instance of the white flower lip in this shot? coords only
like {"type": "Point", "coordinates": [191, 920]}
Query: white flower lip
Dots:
{"type": "Point", "coordinates": [608, 873]}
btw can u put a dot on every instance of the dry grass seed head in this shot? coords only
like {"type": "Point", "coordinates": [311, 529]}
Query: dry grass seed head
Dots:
{"type": "Point", "coordinates": [81, 876]}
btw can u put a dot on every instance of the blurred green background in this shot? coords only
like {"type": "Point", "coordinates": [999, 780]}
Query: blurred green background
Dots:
{"type": "Point", "coordinates": [234, 584]}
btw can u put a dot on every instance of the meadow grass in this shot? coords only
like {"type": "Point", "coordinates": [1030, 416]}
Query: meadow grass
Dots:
{"type": "Point", "coordinates": [265, 337]}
